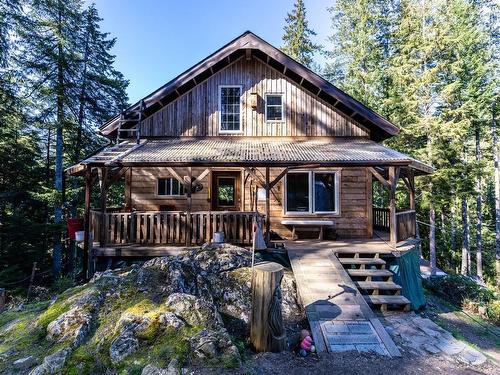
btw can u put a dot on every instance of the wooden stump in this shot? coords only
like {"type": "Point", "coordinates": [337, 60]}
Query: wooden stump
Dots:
{"type": "Point", "coordinates": [266, 327]}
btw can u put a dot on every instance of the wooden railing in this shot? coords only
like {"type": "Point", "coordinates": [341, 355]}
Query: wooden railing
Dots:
{"type": "Point", "coordinates": [406, 224]}
{"type": "Point", "coordinates": [171, 227]}
{"type": "Point", "coordinates": [381, 218]}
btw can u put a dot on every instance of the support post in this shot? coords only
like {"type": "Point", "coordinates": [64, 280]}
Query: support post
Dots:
{"type": "Point", "coordinates": [86, 240]}
{"type": "Point", "coordinates": [268, 208]}
{"type": "Point", "coordinates": [267, 332]}
{"type": "Point", "coordinates": [369, 203]}
{"type": "Point", "coordinates": [104, 199]}
{"type": "Point", "coordinates": [411, 180]}
{"type": "Point", "coordinates": [392, 206]}
{"type": "Point", "coordinates": [189, 187]}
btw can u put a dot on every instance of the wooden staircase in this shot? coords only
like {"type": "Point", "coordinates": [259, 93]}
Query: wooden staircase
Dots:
{"type": "Point", "coordinates": [367, 270]}
{"type": "Point", "coordinates": [116, 152]}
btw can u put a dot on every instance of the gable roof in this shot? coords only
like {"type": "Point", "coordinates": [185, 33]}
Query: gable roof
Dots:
{"type": "Point", "coordinates": [250, 44]}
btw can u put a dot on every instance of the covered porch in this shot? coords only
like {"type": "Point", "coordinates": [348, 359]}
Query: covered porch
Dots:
{"type": "Point", "coordinates": [261, 167]}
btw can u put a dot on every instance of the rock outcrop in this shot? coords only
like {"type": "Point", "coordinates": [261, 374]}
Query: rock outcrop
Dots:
{"type": "Point", "coordinates": [161, 315]}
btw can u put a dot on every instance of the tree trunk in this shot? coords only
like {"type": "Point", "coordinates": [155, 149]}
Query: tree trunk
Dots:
{"type": "Point", "coordinates": [432, 239]}
{"type": "Point", "coordinates": [497, 192]}
{"type": "Point", "coordinates": [465, 237]}
{"type": "Point", "coordinates": [453, 214]}
{"type": "Point", "coordinates": [58, 180]}
{"type": "Point", "coordinates": [479, 217]}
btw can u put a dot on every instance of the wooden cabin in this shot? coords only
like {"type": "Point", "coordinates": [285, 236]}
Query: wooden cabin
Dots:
{"type": "Point", "coordinates": [247, 131]}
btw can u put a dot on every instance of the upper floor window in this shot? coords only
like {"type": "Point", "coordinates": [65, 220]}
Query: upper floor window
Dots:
{"type": "Point", "coordinates": [229, 105]}
{"type": "Point", "coordinates": [170, 187]}
{"type": "Point", "coordinates": [274, 107]}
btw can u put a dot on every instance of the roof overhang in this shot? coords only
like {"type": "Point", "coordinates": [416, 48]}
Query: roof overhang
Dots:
{"type": "Point", "coordinates": [250, 44]}
{"type": "Point", "coordinates": [245, 152]}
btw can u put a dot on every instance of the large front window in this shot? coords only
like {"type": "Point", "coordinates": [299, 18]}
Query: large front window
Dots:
{"type": "Point", "coordinates": [312, 192]}
{"type": "Point", "coordinates": [230, 98]}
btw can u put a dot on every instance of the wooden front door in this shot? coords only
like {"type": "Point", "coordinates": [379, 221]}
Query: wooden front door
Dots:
{"type": "Point", "coordinates": [226, 191]}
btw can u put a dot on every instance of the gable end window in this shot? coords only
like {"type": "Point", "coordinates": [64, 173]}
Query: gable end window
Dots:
{"type": "Point", "coordinates": [169, 187]}
{"type": "Point", "coordinates": [274, 107]}
{"type": "Point", "coordinates": [311, 192]}
{"type": "Point", "coordinates": [230, 109]}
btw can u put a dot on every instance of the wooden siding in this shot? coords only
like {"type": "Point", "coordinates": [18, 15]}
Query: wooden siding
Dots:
{"type": "Point", "coordinates": [196, 113]}
{"type": "Point", "coordinates": [354, 219]}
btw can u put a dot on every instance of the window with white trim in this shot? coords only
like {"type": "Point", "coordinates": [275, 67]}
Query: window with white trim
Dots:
{"type": "Point", "coordinates": [229, 109]}
{"type": "Point", "coordinates": [170, 187]}
{"type": "Point", "coordinates": [312, 192]}
{"type": "Point", "coordinates": [274, 107]}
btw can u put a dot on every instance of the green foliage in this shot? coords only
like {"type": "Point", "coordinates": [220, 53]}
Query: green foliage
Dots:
{"type": "Point", "coordinates": [464, 292]}
{"type": "Point", "coordinates": [457, 288]}
{"type": "Point", "coordinates": [431, 67]}
{"type": "Point", "coordinates": [297, 36]}
{"type": "Point", "coordinates": [57, 83]}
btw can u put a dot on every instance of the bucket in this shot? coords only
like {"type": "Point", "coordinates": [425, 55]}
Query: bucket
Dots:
{"type": "Point", "coordinates": [79, 235]}
{"type": "Point", "coordinates": [219, 237]}
{"type": "Point", "coordinates": [74, 225]}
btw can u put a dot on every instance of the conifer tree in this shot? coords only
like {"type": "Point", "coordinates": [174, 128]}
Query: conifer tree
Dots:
{"type": "Point", "coordinates": [359, 46]}
{"type": "Point", "coordinates": [297, 37]}
{"type": "Point", "coordinates": [49, 57]}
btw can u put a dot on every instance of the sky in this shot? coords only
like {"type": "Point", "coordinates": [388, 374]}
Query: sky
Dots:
{"type": "Point", "coordinates": [159, 39]}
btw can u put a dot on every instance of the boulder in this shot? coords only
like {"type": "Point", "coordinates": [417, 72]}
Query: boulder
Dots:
{"type": "Point", "coordinates": [172, 369]}
{"type": "Point", "coordinates": [214, 258]}
{"type": "Point", "coordinates": [24, 363]}
{"type": "Point", "coordinates": [170, 320]}
{"type": "Point", "coordinates": [233, 294]}
{"type": "Point", "coordinates": [123, 346]}
{"type": "Point", "coordinates": [208, 345]}
{"type": "Point", "coordinates": [74, 325]}
{"type": "Point", "coordinates": [52, 364]}
{"type": "Point", "coordinates": [194, 310]}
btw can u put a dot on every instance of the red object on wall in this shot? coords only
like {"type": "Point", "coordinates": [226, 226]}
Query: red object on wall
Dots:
{"type": "Point", "coordinates": [74, 225]}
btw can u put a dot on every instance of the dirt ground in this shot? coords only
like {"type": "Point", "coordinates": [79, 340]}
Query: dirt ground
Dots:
{"type": "Point", "coordinates": [351, 363]}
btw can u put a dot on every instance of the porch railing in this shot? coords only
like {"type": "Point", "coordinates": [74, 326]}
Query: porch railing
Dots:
{"type": "Point", "coordinates": [171, 227]}
{"type": "Point", "coordinates": [381, 218]}
{"type": "Point", "coordinates": [406, 224]}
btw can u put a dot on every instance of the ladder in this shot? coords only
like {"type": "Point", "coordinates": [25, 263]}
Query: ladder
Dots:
{"type": "Point", "coordinates": [130, 131]}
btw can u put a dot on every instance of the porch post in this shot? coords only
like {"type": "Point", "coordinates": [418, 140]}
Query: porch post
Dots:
{"type": "Point", "coordinates": [268, 208]}
{"type": "Point", "coordinates": [104, 195]}
{"type": "Point", "coordinates": [189, 186]}
{"type": "Point", "coordinates": [392, 206]}
{"type": "Point", "coordinates": [86, 239]}
{"type": "Point", "coordinates": [411, 179]}
{"type": "Point", "coordinates": [369, 203]}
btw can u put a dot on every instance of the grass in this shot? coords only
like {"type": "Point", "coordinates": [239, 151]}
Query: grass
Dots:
{"type": "Point", "coordinates": [481, 328]}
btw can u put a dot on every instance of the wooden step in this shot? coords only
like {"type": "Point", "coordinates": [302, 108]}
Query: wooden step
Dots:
{"type": "Point", "coordinates": [362, 261]}
{"type": "Point", "coordinates": [387, 300]}
{"type": "Point", "coordinates": [372, 273]}
{"type": "Point", "coordinates": [362, 251]}
{"type": "Point", "coordinates": [377, 285]}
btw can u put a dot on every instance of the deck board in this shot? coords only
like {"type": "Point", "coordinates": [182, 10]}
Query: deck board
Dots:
{"type": "Point", "coordinates": [338, 314]}
{"type": "Point", "coordinates": [138, 250]}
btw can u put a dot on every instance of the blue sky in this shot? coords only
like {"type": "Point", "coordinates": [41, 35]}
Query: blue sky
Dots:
{"type": "Point", "coordinates": [159, 39]}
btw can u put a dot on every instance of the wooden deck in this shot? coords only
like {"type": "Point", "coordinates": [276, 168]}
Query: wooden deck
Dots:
{"type": "Point", "coordinates": [137, 250]}
{"type": "Point", "coordinates": [339, 315]}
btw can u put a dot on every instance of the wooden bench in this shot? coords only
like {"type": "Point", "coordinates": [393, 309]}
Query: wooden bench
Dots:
{"type": "Point", "coordinates": [320, 224]}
